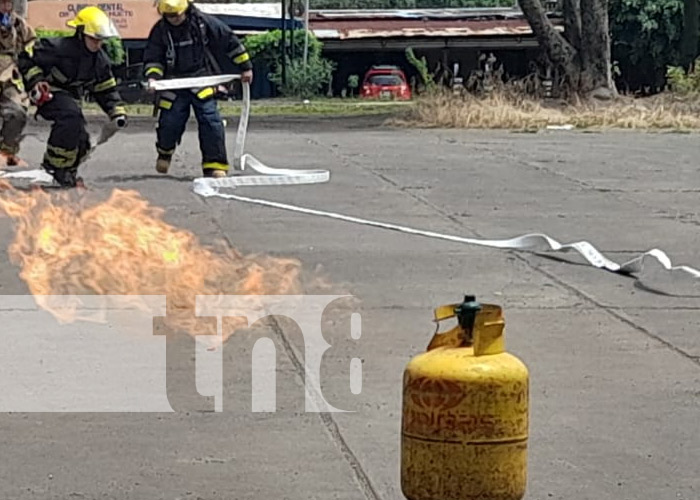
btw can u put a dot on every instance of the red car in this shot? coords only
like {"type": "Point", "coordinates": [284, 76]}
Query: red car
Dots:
{"type": "Point", "coordinates": [385, 82]}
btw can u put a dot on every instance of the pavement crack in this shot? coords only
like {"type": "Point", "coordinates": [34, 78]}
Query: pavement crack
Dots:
{"type": "Point", "coordinates": [612, 311]}
{"type": "Point", "coordinates": [615, 312]}
{"type": "Point", "coordinates": [331, 426]}
{"type": "Point", "coordinates": [587, 186]}
{"type": "Point", "coordinates": [655, 308]}
{"type": "Point", "coordinates": [118, 179]}
{"type": "Point", "coordinates": [648, 191]}
{"type": "Point", "coordinates": [329, 423]}
{"type": "Point", "coordinates": [516, 307]}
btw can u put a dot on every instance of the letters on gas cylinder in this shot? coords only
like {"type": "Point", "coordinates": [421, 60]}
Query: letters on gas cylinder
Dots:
{"type": "Point", "coordinates": [464, 425]}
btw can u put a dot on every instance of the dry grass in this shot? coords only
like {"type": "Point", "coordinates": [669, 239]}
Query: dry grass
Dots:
{"type": "Point", "coordinates": [507, 110]}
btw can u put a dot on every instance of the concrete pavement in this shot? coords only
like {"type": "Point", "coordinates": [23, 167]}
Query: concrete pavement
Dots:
{"type": "Point", "coordinates": [615, 387]}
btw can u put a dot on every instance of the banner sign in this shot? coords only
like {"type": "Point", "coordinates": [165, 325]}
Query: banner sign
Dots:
{"type": "Point", "coordinates": [133, 18]}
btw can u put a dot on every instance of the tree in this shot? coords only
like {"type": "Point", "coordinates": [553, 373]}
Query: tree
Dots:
{"type": "Point", "coordinates": [646, 41]}
{"type": "Point", "coordinates": [691, 31]}
{"type": "Point", "coordinates": [582, 53]}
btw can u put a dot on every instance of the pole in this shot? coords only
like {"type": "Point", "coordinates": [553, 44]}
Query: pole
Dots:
{"type": "Point", "coordinates": [306, 34]}
{"type": "Point", "coordinates": [292, 31]}
{"type": "Point", "coordinates": [284, 42]}
{"type": "Point", "coordinates": [292, 40]}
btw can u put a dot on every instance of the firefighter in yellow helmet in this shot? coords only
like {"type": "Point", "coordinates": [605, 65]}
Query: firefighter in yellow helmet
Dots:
{"type": "Point", "coordinates": [58, 72]}
{"type": "Point", "coordinates": [15, 37]}
{"type": "Point", "coordinates": [186, 43]}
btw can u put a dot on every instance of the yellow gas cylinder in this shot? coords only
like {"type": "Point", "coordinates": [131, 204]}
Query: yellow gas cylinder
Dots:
{"type": "Point", "coordinates": [465, 418]}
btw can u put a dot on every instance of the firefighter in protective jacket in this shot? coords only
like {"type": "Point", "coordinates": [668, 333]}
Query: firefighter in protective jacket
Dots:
{"type": "Point", "coordinates": [16, 36]}
{"type": "Point", "coordinates": [59, 72]}
{"type": "Point", "coordinates": [187, 43]}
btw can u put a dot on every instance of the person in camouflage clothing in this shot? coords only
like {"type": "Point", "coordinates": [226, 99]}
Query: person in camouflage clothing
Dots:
{"type": "Point", "coordinates": [16, 36]}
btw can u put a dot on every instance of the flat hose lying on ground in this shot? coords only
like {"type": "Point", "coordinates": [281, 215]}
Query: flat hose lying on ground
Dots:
{"type": "Point", "coordinates": [653, 269]}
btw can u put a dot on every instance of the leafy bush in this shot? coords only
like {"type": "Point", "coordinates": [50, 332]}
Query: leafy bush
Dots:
{"type": "Point", "coordinates": [353, 83]}
{"type": "Point", "coordinates": [648, 37]}
{"type": "Point", "coordinates": [422, 66]}
{"type": "Point", "coordinates": [113, 47]}
{"type": "Point", "coordinates": [266, 46]}
{"type": "Point", "coordinates": [301, 82]}
{"type": "Point", "coordinates": [684, 82]}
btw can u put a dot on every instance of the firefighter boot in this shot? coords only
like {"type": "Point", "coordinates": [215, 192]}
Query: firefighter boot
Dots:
{"type": "Point", "coordinates": [11, 160]}
{"type": "Point", "coordinates": [214, 172]}
{"type": "Point", "coordinates": [67, 177]}
{"type": "Point", "coordinates": [163, 164]}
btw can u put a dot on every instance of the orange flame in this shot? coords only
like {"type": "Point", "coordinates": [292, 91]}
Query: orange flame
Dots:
{"type": "Point", "coordinates": [122, 247]}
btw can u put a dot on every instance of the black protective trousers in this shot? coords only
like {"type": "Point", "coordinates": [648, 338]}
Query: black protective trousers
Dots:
{"type": "Point", "coordinates": [68, 142]}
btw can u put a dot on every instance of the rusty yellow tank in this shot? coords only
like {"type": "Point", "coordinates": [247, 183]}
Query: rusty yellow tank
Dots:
{"type": "Point", "coordinates": [465, 418]}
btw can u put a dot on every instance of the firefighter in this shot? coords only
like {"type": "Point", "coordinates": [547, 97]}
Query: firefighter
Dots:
{"type": "Point", "coordinates": [59, 72]}
{"type": "Point", "coordinates": [16, 36]}
{"type": "Point", "coordinates": [187, 43]}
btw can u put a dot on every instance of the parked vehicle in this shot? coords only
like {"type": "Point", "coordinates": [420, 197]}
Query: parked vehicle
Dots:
{"type": "Point", "coordinates": [385, 82]}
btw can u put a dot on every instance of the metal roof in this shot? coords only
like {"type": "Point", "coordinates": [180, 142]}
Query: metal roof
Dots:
{"type": "Point", "coordinates": [462, 13]}
{"type": "Point", "coordinates": [378, 28]}
{"type": "Point", "coordinates": [249, 18]}
{"type": "Point", "coordinates": [409, 23]}
{"type": "Point", "coordinates": [265, 10]}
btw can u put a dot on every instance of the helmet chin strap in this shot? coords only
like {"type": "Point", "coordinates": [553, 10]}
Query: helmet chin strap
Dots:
{"type": "Point", "coordinates": [80, 33]}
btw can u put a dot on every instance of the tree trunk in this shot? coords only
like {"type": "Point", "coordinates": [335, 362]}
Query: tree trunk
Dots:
{"type": "Point", "coordinates": [572, 22]}
{"type": "Point", "coordinates": [584, 52]}
{"type": "Point", "coordinates": [559, 51]}
{"type": "Point", "coordinates": [595, 47]}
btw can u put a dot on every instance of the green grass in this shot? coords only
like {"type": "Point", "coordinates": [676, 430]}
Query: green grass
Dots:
{"type": "Point", "coordinates": [286, 107]}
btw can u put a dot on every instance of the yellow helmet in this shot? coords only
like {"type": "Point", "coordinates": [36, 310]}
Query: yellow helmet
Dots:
{"type": "Point", "coordinates": [95, 23]}
{"type": "Point", "coordinates": [176, 7]}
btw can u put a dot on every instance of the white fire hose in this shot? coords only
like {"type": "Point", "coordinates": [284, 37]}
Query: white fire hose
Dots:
{"type": "Point", "coordinates": [672, 280]}
{"type": "Point", "coordinates": [653, 269]}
